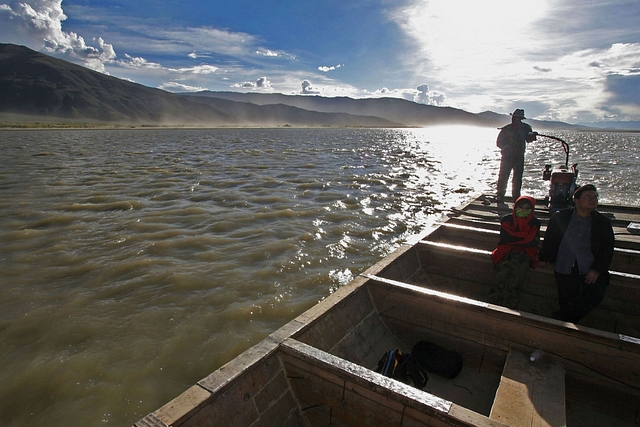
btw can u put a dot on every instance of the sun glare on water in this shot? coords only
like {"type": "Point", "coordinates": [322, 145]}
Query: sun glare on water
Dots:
{"type": "Point", "coordinates": [463, 155]}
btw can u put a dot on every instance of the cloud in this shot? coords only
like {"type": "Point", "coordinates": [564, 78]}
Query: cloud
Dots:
{"type": "Point", "coordinates": [179, 87]}
{"type": "Point", "coordinates": [273, 54]}
{"type": "Point", "coordinates": [624, 89]}
{"type": "Point", "coordinates": [266, 53]}
{"type": "Point", "coordinates": [426, 96]}
{"type": "Point", "coordinates": [198, 69]}
{"type": "Point", "coordinates": [261, 83]}
{"type": "Point", "coordinates": [40, 23]}
{"type": "Point", "coordinates": [307, 88]}
{"type": "Point", "coordinates": [137, 63]}
{"type": "Point", "coordinates": [485, 63]}
{"type": "Point", "coordinates": [326, 69]}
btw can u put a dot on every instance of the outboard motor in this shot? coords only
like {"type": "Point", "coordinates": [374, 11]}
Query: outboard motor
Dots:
{"type": "Point", "coordinates": [563, 181]}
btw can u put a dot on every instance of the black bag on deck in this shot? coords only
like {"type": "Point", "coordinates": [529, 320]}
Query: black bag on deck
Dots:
{"type": "Point", "coordinates": [389, 362]}
{"type": "Point", "coordinates": [438, 360]}
{"type": "Point", "coordinates": [402, 367]}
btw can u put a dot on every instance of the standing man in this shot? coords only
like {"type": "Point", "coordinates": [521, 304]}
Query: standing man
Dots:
{"type": "Point", "coordinates": [580, 242]}
{"type": "Point", "coordinates": [512, 141]}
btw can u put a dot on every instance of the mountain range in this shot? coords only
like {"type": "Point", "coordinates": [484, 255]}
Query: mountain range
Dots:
{"type": "Point", "coordinates": [38, 86]}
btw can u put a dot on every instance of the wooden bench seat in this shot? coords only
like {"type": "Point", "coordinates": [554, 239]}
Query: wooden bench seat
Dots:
{"type": "Point", "coordinates": [530, 393]}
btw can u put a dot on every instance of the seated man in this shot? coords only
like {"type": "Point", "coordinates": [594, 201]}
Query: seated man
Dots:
{"type": "Point", "coordinates": [580, 242]}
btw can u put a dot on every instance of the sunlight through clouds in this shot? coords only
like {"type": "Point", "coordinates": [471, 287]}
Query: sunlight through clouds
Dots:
{"type": "Point", "coordinates": [467, 38]}
{"type": "Point", "coordinates": [507, 53]}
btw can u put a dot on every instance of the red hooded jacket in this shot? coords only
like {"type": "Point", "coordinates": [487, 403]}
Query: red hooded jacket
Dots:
{"type": "Point", "coordinates": [520, 234]}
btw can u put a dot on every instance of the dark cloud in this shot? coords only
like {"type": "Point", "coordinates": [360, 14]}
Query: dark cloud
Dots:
{"type": "Point", "coordinates": [307, 88]}
{"type": "Point", "coordinates": [263, 82]}
{"type": "Point", "coordinates": [542, 70]}
{"type": "Point", "coordinates": [624, 89]}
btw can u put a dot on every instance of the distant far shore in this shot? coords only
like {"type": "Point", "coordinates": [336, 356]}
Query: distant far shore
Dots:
{"type": "Point", "coordinates": [110, 126]}
{"type": "Point", "coordinates": [12, 121]}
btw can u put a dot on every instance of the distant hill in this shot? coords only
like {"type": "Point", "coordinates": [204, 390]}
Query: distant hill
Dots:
{"type": "Point", "coordinates": [502, 119]}
{"type": "Point", "coordinates": [36, 85]}
{"type": "Point", "coordinates": [282, 114]}
{"type": "Point", "coordinates": [39, 85]}
{"type": "Point", "coordinates": [392, 109]}
{"type": "Point", "coordinates": [615, 125]}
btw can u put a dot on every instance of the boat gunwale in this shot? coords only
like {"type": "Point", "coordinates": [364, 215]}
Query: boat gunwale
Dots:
{"type": "Point", "coordinates": [615, 340]}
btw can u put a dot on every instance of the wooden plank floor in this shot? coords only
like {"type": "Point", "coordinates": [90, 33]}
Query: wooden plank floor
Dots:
{"type": "Point", "coordinates": [530, 393]}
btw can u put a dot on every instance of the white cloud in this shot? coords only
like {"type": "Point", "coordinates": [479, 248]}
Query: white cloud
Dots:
{"type": "Point", "coordinates": [326, 69]}
{"type": "Point", "coordinates": [273, 54]}
{"type": "Point", "coordinates": [137, 63]}
{"type": "Point", "coordinates": [266, 53]}
{"type": "Point", "coordinates": [199, 69]}
{"type": "Point", "coordinates": [428, 97]}
{"type": "Point", "coordinates": [179, 87]}
{"type": "Point", "coordinates": [262, 83]}
{"type": "Point", "coordinates": [40, 23]}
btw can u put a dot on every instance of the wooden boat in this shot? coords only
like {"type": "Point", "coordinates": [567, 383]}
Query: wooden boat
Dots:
{"type": "Point", "coordinates": [319, 369]}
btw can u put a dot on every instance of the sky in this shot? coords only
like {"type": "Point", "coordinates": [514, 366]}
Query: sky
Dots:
{"type": "Point", "coordinates": [576, 61]}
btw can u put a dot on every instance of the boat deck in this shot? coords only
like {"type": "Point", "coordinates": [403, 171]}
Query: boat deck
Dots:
{"type": "Point", "coordinates": [455, 257]}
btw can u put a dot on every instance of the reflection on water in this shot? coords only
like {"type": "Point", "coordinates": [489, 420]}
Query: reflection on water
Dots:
{"type": "Point", "coordinates": [135, 262]}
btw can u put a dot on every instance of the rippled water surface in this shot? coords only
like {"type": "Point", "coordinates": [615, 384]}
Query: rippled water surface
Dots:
{"type": "Point", "coordinates": [135, 262]}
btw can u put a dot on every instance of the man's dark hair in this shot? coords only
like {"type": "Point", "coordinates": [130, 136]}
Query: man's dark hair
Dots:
{"type": "Point", "coordinates": [586, 187]}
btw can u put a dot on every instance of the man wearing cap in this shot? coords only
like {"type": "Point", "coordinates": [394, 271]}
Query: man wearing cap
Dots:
{"type": "Point", "coordinates": [512, 141]}
{"type": "Point", "coordinates": [579, 241]}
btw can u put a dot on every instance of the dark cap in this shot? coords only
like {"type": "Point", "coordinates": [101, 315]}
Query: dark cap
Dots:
{"type": "Point", "coordinates": [580, 190]}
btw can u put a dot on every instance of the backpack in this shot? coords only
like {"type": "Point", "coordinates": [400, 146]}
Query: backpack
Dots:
{"type": "Point", "coordinates": [402, 367]}
{"type": "Point", "coordinates": [437, 360]}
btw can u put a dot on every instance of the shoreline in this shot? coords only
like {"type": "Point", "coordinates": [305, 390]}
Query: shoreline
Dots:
{"type": "Point", "coordinates": [112, 126]}
{"type": "Point", "coordinates": [17, 122]}
{"type": "Point", "coordinates": [34, 126]}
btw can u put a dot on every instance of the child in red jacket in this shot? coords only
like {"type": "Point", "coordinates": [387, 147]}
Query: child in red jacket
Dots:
{"type": "Point", "coordinates": [516, 252]}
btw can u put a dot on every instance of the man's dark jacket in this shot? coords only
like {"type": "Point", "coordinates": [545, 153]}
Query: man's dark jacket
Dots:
{"type": "Point", "coordinates": [602, 239]}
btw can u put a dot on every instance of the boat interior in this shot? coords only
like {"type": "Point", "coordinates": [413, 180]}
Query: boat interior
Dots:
{"type": "Point", "coordinates": [454, 257]}
{"type": "Point", "coordinates": [319, 369]}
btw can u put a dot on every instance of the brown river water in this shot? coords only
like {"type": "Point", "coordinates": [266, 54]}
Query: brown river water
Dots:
{"type": "Point", "coordinates": [135, 262]}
